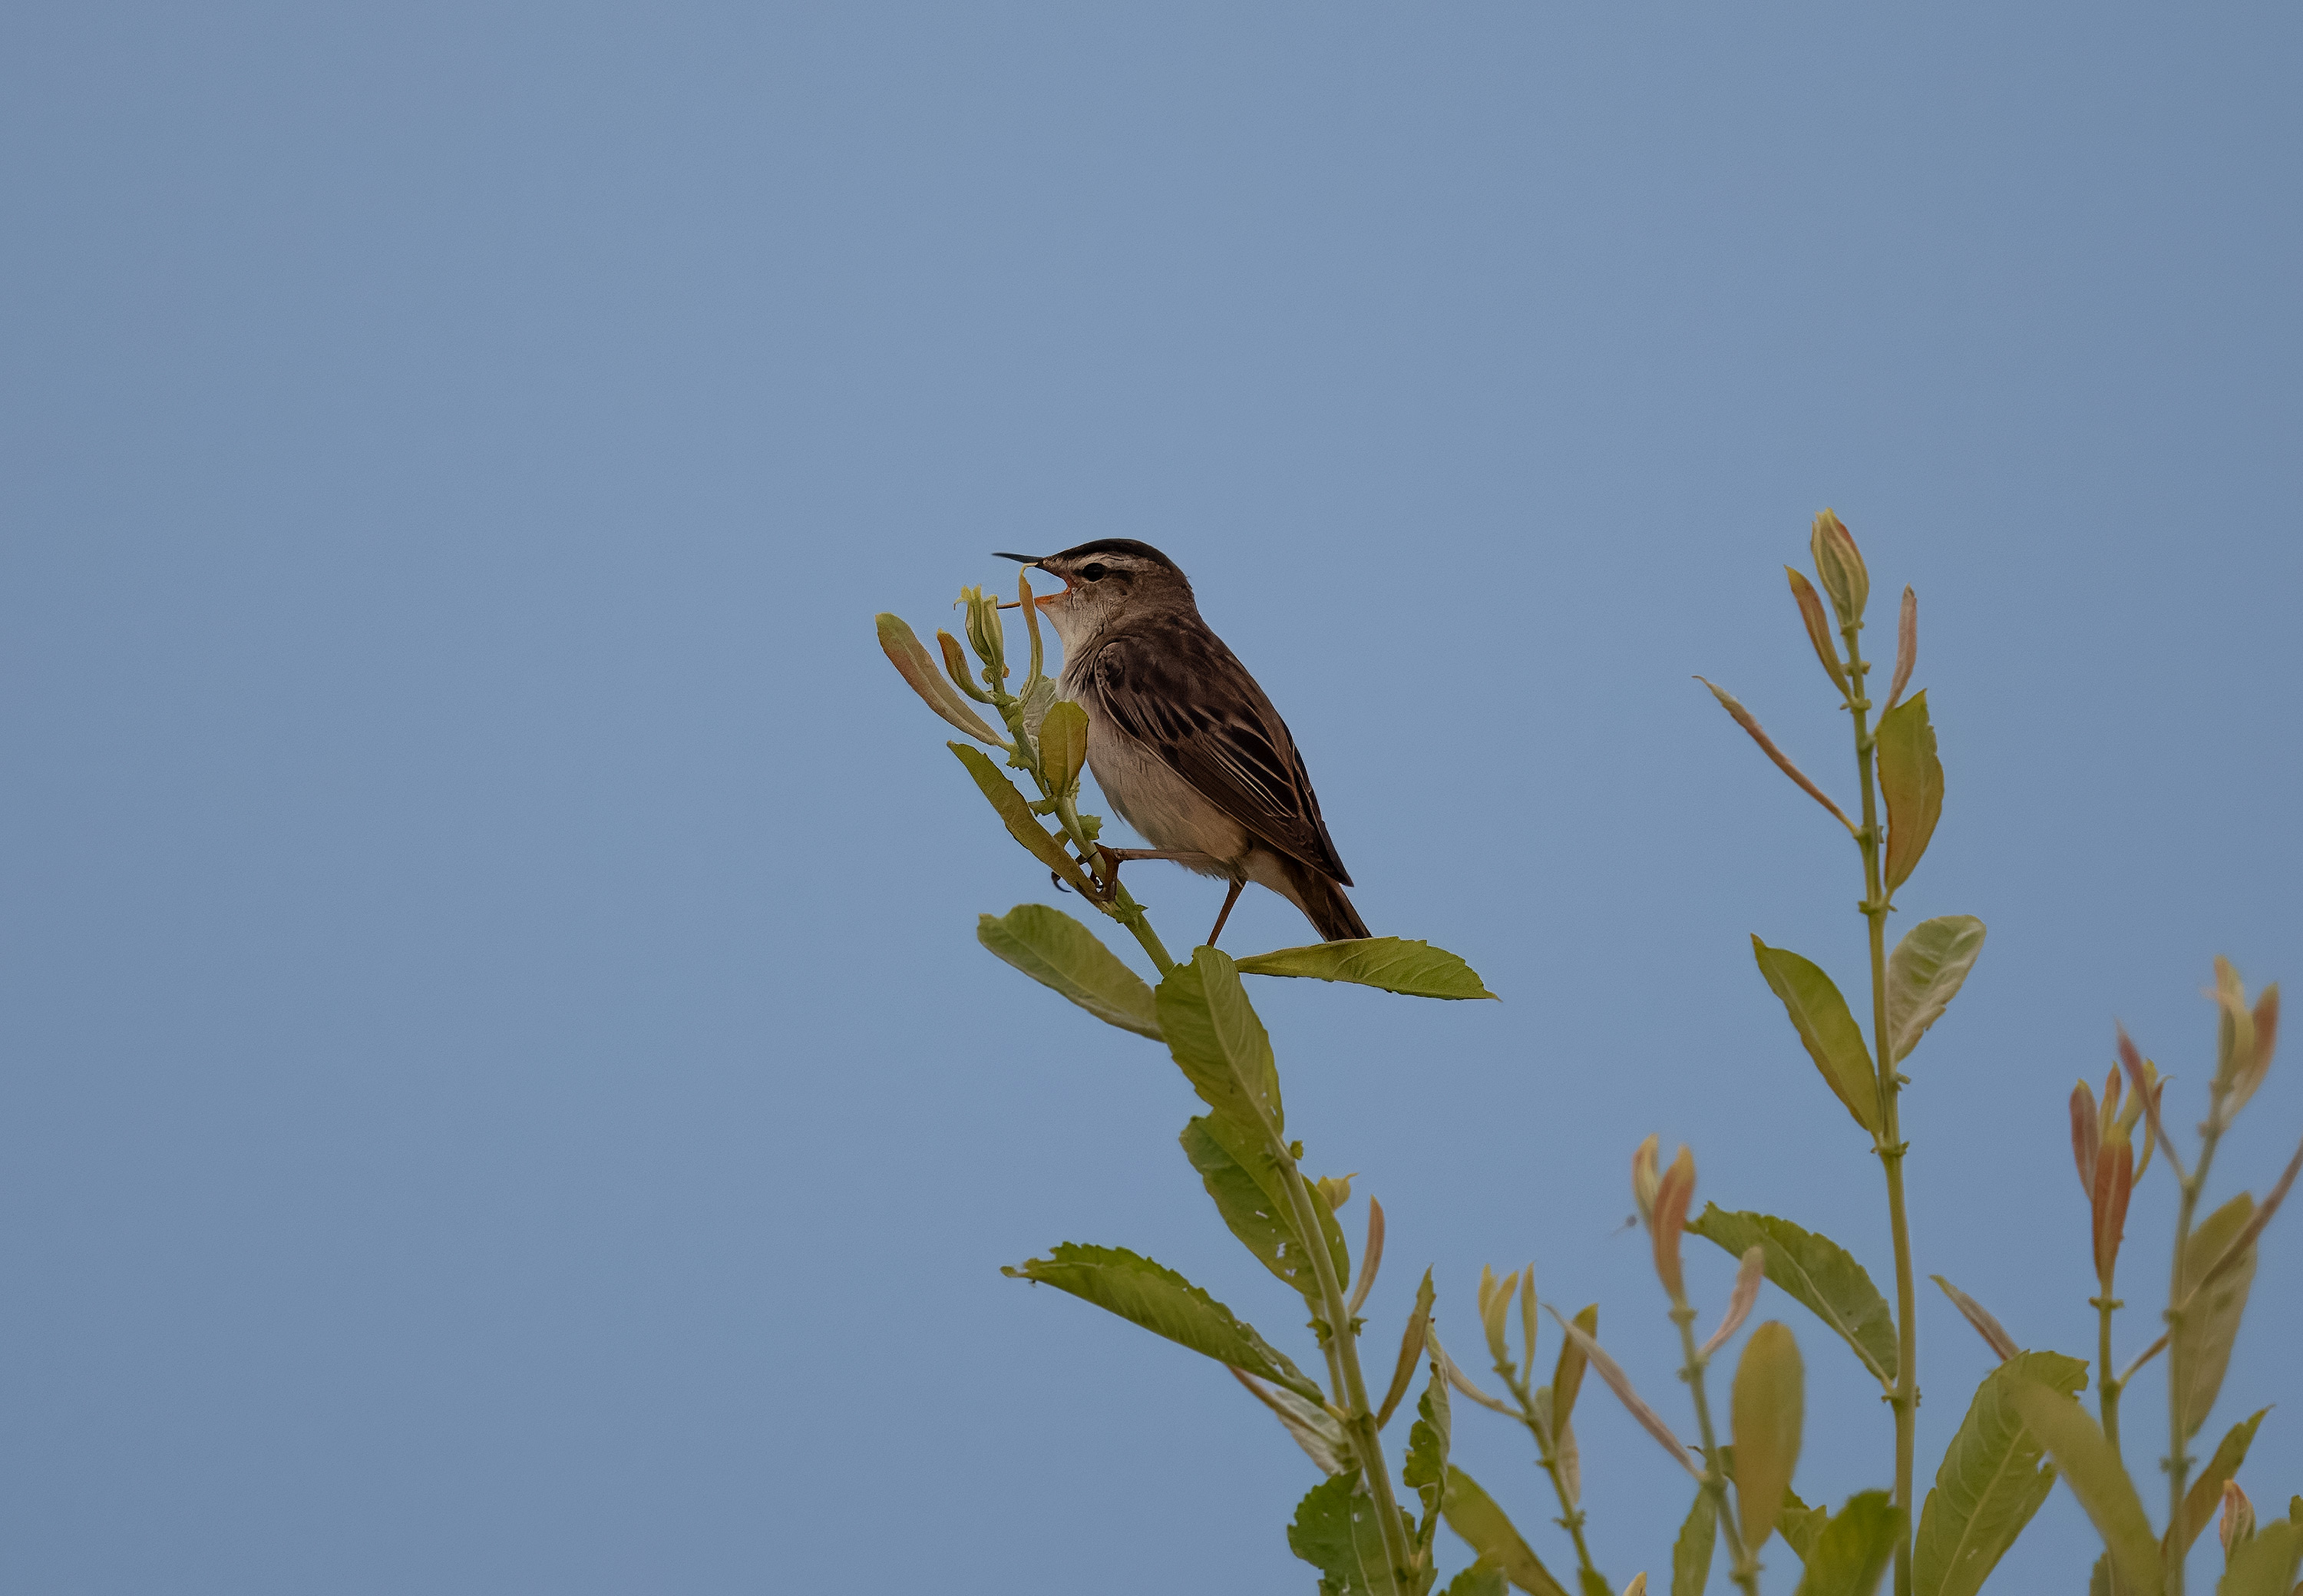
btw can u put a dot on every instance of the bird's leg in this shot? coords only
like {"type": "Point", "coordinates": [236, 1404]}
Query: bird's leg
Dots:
{"type": "Point", "coordinates": [1112, 858]}
{"type": "Point", "coordinates": [1230, 897]}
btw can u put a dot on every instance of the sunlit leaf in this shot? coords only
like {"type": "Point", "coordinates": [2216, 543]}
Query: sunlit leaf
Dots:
{"type": "Point", "coordinates": [1060, 953]}
{"type": "Point", "coordinates": [1338, 1533]}
{"type": "Point", "coordinates": [2264, 1565]}
{"type": "Point", "coordinates": [1911, 779]}
{"type": "Point", "coordinates": [912, 664]}
{"type": "Point", "coordinates": [1242, 1177]}
{"type": "Point", "coordinates": [1063, 745]}
{"type": "Point", "coordinates": [2092, 1469]}
{"type": "Point", "coordinates": [1851, 1555]}
{"type": "Point", "coordinates": [1016, 815]}
{"type": "Point", "coordinates": [2200, 1351]}
{"type": "Point", "coordinates": [1691, 1554]}
{"type": "Point", "coordinates": [1394, 963]}
{"type": "Point", "coordinates": [1817, 1274]}
{"type": "Point", "coordinates": [1830, 1032]}
{"type": "Point", "coordinates": [1994, 1476]}
{"type": "Point", "coordinates": [1925, 972]}
{"type": "Point", "coordinates": [1218, 1043]}
{"type": "Point", "coordinates": [1164, 1303]}
{"type": "Point", "coordinates": [1768, 1408]}
{"type": "Point", "coordinates": [1472, 1513]}
{"type": "Point", "coordinates": [2207, 1491]}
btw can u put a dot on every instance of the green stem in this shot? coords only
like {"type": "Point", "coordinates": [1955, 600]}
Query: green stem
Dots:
{"type": "Point", "coordinates": [2107, 1385]}
{"type": "Point", "coordinates": [1743, 1562]}
{"type": "Point", "coordinates": [1342, 1348]}
{"type": "Point", "coordinates": [2179, 1462]}
{"type": "Point", "coordinates": [1546, 1456]}
{"type": "Point", "coordinates": [1889, 1143]}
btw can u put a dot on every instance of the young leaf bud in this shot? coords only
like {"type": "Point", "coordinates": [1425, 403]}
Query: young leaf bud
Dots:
{"type": "Point", "coordinates": [955, 665]}
{"type": "Point", "coordinates": [1527, 1320]}
{"type": "Point", "coordinates": [1671, 1200]}
{"type": "Point", "coordinates": [2239, 1516]}
{"type": "Point", "coordinates": [2114, 1180]}
{"type": "Point", "coordinates": [1495, 1310]}
{"type": "Point", "coordinates": [2087, 1137]}
{"type": "Point", "coordinates": [985, 634]}
{"type": "Point", "coordinates": [1643, 1179]}
{"type": "Point", "coordinates": [1063, 746]}
{"type": "Point", "coordinates": [1839, 566]}
{"type": "Point", "coordinates": [1907, 646]}
{"type": "Point", "coordinates": [1818, 628]}
{"type": "Point", "coordinates": [1337, 1191]}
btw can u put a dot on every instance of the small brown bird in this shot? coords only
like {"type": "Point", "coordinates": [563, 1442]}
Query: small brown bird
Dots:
{"type": "Point", "coordinates": [1182, 741]}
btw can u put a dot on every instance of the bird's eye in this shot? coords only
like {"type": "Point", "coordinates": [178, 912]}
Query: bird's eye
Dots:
{"type": "Point", "coordinates": [1093, 573]}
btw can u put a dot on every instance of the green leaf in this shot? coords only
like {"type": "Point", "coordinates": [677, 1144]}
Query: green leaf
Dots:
{"type": "Point", "coordinates": [1769, 1409]}
{"type": "Point", "coordinates": [1064, 956]}
{"type": "Point", "coordinates": [1691, 1554]}
{"type": "Point", "coordinates": [1855, 1547]}
{"type": "Point", "coordinates": [1218, 1043]}
{"type": "Point", "coordinates": [1242, 1176]}
{"type": "Point", "coordinates": [910, 657]}
{"type": "Point", "coordinates": [1426, 1470]}
{"type": "Point", "coordinates": [1472, 1513]}
{"type": "Point", "coordinates": [1063, 746]}
{"type": "Point", "coordinates": [1994, 1476]}
{"type": "Point", "coordinates": [1800, 1525]}
{"type": "Point", "coordinates": [1016, 815]}
{"type": "Point", "coordinates": [2200, 1350]}
{"type": "Point", "coordinates": [1833, 1038]}
{"type": "Point", "coordinates": [1393, 963]}
{"type": "Point", "coordinates": [1310, 1423]}
{"type": "Point", "coordinates": [2206, 1492]}
{"type": "Point", "coordinates": [1482, 1578]}
{"type": "Point", "coordinates": [1816, 1272]}
{"type": "Point", "coordinates": [1336, 1532]}
{"type": "Point", "coordinates": [1925, 972]}
{"type": "Point", "coordinates": [2265, 1566]}
{"type": "Point", "coordinates": [1911, 779]}
{"type": "Point", "coordinates": [1164, 1303]}
{"type": "Point", "coordinates": [2093, 1471]}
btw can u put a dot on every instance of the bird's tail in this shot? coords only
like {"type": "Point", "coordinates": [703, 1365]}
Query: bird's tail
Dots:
{"type": "Point", "coordinates": [1323, 903]}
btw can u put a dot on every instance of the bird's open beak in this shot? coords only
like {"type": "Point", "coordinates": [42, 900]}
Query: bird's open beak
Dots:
{"type": "Point", "coordinates": [1044, 599]}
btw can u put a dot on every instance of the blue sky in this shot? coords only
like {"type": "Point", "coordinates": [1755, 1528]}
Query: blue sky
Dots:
{"type": "Point", "coordinates": [500, 1092]}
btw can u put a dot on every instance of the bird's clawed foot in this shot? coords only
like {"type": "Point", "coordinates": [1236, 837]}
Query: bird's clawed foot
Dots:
{"type": "Point", "coordinates": [1111, 858]}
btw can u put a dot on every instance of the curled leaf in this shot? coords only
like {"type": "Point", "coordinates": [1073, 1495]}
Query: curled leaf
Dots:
{"type": "Point", "coordinates": [1907, 646]}
{"type": "Point", "coordinates": [1370, 1256]}
{"type": "Point", "coordinates": [1818, 628]}
{"type": "Point", "coordinates": [1063, 746]}
{"type": "Point", "coordinates": [1410, 1348]}
{"type": "Point", "coordinates": [1839, 566]}
{"type": "Point", "coordinates": [1994, 1333]}
{"type": "Point", "coordinates": [1627, 1394]}
{"type": "Point", "coordinates": [1743, 718]}
{"type": "Point", "coordinates": [1748, 1273]}
{"type": "Point", "coordinates": [912, 662]}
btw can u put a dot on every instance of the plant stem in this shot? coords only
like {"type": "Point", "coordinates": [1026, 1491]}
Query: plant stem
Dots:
{"type": "Point", "coordinates": [2179, 1462]}
{"type": "Point", "coordinates": [1888, 1142]}
{"type": "Point", "coordinates": [1546, 1456]}
{"type": "Point", "coordinates": [2107, 1384]}
{"type": "Point", "coordinates": [1744, 1564]}
{"type": "Point", "coordinates": [1344, 1354]}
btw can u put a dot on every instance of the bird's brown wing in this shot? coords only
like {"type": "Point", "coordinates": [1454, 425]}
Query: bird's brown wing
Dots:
{"type": "Point", "coordinates": [1187, 697]}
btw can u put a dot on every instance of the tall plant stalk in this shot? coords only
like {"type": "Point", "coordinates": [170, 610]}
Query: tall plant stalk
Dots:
{"type": "Point", "coordinates": [2179, 1422]}
{"type": "Point", "coordinates": [1889, 1143]}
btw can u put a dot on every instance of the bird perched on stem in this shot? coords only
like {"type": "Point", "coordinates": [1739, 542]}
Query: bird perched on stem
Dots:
{"type": "Point", "coordinates": [1182, 741]}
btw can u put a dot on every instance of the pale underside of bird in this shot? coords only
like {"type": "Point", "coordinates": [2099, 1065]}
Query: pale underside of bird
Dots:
{"type": "Point", "coordinates": [1184, 743]}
